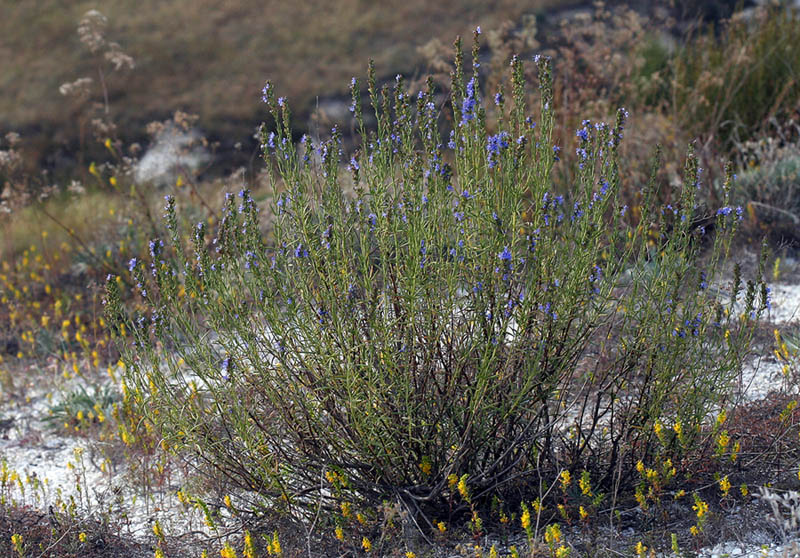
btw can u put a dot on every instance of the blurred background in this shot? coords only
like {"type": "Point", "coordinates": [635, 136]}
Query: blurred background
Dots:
{"type": "Point", "coordinates": [210, 59]}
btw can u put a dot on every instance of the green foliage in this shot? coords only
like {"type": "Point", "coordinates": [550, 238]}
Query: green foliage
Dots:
{"type": "Point", "coordinates": [456, 319]}
{"type": "Point", "coordinates": [80, 407]}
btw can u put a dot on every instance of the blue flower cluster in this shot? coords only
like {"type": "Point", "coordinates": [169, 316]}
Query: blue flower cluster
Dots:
{"type": "Point", "coordinates": [495, 145]}
{"type": "Point", "coordinates": [469, 103]}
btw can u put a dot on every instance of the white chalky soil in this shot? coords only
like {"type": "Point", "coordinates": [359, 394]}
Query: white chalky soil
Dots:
{"type": "Point", "coordinates": [31, 449]}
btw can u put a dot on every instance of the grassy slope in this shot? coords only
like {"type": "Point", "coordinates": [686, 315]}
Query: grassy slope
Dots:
{"type": "Point", "coordinates": [212, 57]}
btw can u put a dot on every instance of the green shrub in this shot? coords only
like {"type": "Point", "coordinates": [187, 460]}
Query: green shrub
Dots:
{"type": "Point", "coordinates": [452, 332]}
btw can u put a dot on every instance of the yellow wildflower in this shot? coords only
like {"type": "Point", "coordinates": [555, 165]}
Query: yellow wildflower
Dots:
{"type": "Point", "coordinates": [227, 551]}
{"type": "Point", "coordinates": [552, 533]}
{"type": "Point", "coordinates": [249, 547]}
{"type": "Point", "coordinates": [526, 517]}
{"type": "Point", "coordinates": [700, 507]}
{"type": "Point", "coordinates": [585, 484]}
{"type": "Point", "coordinates": [275, 545]}
{"type": "Point", "coordinates": [566, 478]}
{"type": "Point", "coordinates": [463, 489]}
{"type": "Point", "coordinates": [725, 485]}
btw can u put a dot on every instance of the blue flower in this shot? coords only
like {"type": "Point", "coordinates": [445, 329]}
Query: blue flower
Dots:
{"type": "Point", "coordinates": [505, 255]}
{"type": "Point", "coordinates": [300, 252]}
{"type": "Point", "coordinates": [469, 102]}
{"type": "Point", "coordinates": [494, 146]}
{"type": "Point", "coordinates": [132, 264]}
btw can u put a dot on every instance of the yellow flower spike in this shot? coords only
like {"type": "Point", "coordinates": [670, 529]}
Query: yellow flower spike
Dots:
{"type": "Point", "coordinates": [276, 545]}
{"type": "Point", "coordinates": [566, 479]}
{"type": "Point", "coordinates": [160, 553]}
{"type": "Point", "coordinates": [93, 170]}
{"type": "Point", "coordinates": [227, 551]}
{"type": "Point", "coordinates": [583, 513]}
{"type": "Point", "coordinates": [425, 465]}
{"type": "Point", "coordinates": [441, 526]}
{"type": "Point", "coordinates": [366, 544]}
{"type": "Point", "coordinates": [725, 485]}
{"type": "Point", "coordinates": [562, 552]}
{"type": "Point", "coordinates": [700, 507]}
{"type": "Point", "coordinates": [640, 549]}
{"type": "Point", "coordinates": [493, 552]}
{"type": "Point", "coordinates": [227, 500]}
{"type": "Point", "coordinates": [736, 449]}
{"type": "Point", "coordinates": [452, 480]}
{"type": "Point", "coordinates": [113, 180]}
{"type": "Point", "coordinates": [584, 483]}
{"type": "Point", "coordinates": [339, 533]}
{"type": "Point", "coordinates": [722, 441]}
{"type": "Point", "coordinates": [525, 519]}
{"type": "Point", "coordinates": [552, 533]}
{"type": "Point", "coordinates": [410, 554]}
{"type": "Point", "coordinates": [16, 540]}
{"type": "Point", "coordinates": [463, 489]}
{"type": "Point", "coordinates": [157, 531]}
{"type": "Point", "coordinates": [744, 490]}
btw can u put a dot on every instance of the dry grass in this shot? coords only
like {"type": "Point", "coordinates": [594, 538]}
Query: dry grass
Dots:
{"type": "Point", "coordinates": [212, 58]}
{"type": "Point", "coordinates": [84, 216]}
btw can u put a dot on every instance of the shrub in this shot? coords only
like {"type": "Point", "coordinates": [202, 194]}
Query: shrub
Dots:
{"type": "Point", "coordinates": [454, 331]}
